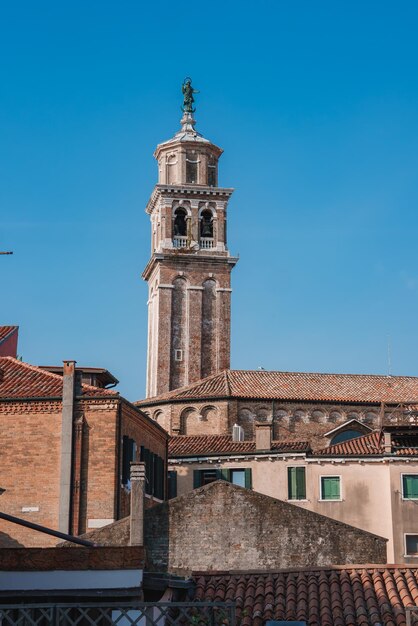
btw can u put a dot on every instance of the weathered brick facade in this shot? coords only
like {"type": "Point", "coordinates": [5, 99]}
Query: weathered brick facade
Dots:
{"type": "Point", "coordinates": [30, 431]}
{"type": "Point", "coordinates": [224, 527]}
{"type": "Point", "coordinates": [291, 420]}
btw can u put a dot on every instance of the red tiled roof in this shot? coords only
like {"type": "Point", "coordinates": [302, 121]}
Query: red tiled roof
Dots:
{"type": "Point", "coordinates": [298, 386]}
{"type": "Point", "coordinates": [183, 445]}
{"type": "Point", "coordinates": [21, 380]}
{"type": "Point", "coordinates": [372, 444]}
{"type": "Point", "coordinates": [5, 331]}
{"type": "Point", "coordinates": [338, 596]}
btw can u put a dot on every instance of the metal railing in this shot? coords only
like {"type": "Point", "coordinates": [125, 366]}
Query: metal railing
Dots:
{"type": "Point", "coordinates": [120, 614]}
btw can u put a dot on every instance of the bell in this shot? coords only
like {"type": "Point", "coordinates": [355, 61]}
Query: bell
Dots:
{"type": "Point", "coordinates": [206, 228]}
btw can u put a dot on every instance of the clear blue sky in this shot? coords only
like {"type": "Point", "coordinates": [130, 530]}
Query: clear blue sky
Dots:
{"type": "Point", "coordinates": [315, 105]}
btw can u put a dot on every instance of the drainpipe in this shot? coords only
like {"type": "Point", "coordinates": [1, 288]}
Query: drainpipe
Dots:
{"type": "Point", "coordinates": [68, 392]}
{"type": "Point", "coordinates": [137, 504]}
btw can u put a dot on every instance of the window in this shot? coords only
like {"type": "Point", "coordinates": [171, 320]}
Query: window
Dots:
{"type": "Point", "coordinates": [241, 477]}
{"type": "Point", "coordinates": [212, 172]}
{"type": "Point", "coordinates": [172, 484]}
{"type": "Point", "coordinates": [178, 355]}
{"type": "Point", "coordinates": [411, 545]}
{"type": "Point", "coordinates": [345, 435]}
{"type": "Point", "coordinates": [296, 483]}
{"type": "Point", "coordinates": [237, 477]}
{"type": "Point", "coordinates": [204, 477]}
{"type": "Point", "coordinates": [191, 168]}
{"type": "Point", "coordinates": [330, 488]}
{"type": "Point", "coordinates": [410, 486]}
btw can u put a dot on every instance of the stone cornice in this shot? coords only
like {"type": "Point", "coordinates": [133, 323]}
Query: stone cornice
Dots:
{"type": "Point", "coordinates": [188, 192]}
{"type": "Point", "coordinates": [185, 258]}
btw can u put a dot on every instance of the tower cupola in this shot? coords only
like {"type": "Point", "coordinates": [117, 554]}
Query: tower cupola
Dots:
{"type": "Point", "coordinates": [188, 158]}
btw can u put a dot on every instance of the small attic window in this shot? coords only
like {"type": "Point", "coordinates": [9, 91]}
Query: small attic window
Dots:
{"type": "Point", "coordinates": [345, 435]}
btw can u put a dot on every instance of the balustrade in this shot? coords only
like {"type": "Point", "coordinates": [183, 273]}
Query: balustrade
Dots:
{"type": "Point", "coordinates": [179, 242]}
{"type": "Point", "coordinates": [207, 242]}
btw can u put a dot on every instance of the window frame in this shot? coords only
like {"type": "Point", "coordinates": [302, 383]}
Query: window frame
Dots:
{"type": "Point", "coordinates": [405, 535]}
{"type": "Point", "coordinates": [321, 498]}
{"type": "Point", "coordinates": [305, 499]}
{"type": "Point", "coordinates": [402, 487]}
{"type": "Point", "coordinates": [236, 469]}
{"type": "Point", "coordinates": [224, 473]}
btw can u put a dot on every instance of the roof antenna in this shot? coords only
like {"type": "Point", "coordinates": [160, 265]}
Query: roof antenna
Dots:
{"type": "Point", "coordinates": [389, 358]}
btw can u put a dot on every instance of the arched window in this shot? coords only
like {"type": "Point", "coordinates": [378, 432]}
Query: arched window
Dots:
{"type": "Point", "coordinates": [206, 224]}
{"type": "Point", "coordinates": [345, 435]}
{"type": "Point", "coordinates": [180, 224]}
{"type": "Point", "coordinates": [192, 161]}
{"type": "Point", "coordinates": [212, 172]}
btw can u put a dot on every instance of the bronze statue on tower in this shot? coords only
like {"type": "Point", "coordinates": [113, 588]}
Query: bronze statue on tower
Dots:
{"type": "Point", "coordinates": [188, 99]}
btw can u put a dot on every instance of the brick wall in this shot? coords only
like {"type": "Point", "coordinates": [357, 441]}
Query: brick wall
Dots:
{"type": "Point", "coordinates": [29, 469]}
{"type": "Point", "coordinates": [189, 310]}
{"type": "Point", "coordinates": [224, 527]}
{"type": "Point", "coordinates": [291, 420]}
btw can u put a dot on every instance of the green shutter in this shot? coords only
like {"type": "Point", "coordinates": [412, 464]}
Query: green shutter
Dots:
{"type": "Point", "coordinates": [296, 483]}
{"type": "Point", "coordinates": [225, 475]}
{"type": "Point", "coordinates": [197, 479]}
{"type": "Point", "coordinates": [330, 488]}
{"type": "Point", "coordinates": [172, 484]}
{"type": "Point", "coordinates": [291, 483]}
{"type": "Point", "coordinates": [410, 486]}
{"type": "Point", "coordinates": [146, 459]}
{"type": "Point", "coordinates": [159, 488]}
{"type": "Point", "coordinates": [248, 478]}
{"type": "Point", "coordinates": [300, 483]}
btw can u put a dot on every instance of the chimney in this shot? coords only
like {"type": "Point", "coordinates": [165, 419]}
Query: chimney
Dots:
{"type": "Point", "coordinates": [387, 442]}
{"type": "Point", "coordinates": [237, 433]}
{"type": "Point", "coordinates": [263, 436]}
{"type": "Point", "coordinates": [137, 504]}
{"type": "Point", "coordinates": [68, 388]}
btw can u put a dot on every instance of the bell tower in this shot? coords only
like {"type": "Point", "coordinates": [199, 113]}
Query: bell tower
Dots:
{"type": "Point", "coordinates": [189, 271]}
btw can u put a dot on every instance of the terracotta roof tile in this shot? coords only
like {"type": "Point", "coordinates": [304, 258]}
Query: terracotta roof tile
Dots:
{"type": "Point", "coordinates": [5, 331]}
{"type": "Point", "coordinates": [21, 380]}
{"type": "Point", "coordinates": [403, 444]}
{"type": "Point", "coordinates": [298, 386]}
{"type": "Point", "coordinates": [338, 596]}
{"type": "Point", "coordinates": [184, 445]}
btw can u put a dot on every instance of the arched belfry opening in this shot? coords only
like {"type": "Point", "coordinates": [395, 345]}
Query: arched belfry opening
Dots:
{"type": "Point", "coordinates": [189, 271]}
{"type": "Point", "coordinates": [206, 224]}
{"type": "Point", "coordinates": [180, 222]}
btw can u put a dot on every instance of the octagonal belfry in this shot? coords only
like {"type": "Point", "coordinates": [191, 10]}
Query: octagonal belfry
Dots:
{"type": "Point", "coordinates": [189, 271]}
